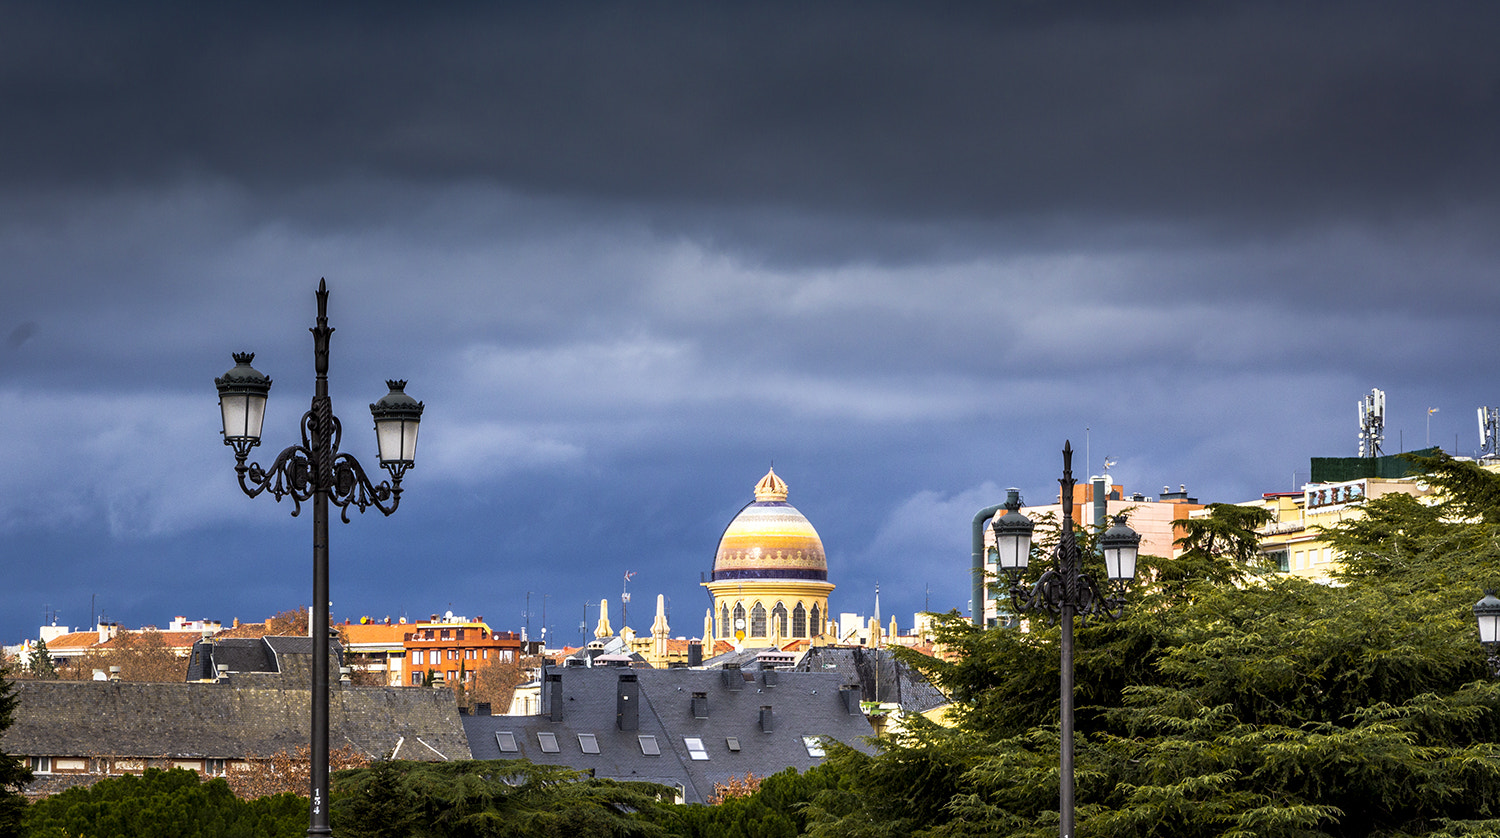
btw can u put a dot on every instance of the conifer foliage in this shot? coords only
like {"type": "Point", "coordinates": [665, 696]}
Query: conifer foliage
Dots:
{"type": "Point", "coordinates": [13, 775]}
{"type": "Point", "coordinates": [1228, 702]}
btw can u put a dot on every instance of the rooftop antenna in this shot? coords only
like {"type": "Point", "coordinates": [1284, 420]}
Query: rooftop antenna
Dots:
{"type": "Point", "coordinates": [1371, 423]}
{"type": "Point", "coordinates": [625, 596]}
{"type": "Point", "coordinates": [1489, 431]}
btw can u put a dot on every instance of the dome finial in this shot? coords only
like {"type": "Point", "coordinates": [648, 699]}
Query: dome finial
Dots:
{"type": "Point", "coordinates": [771, 488]}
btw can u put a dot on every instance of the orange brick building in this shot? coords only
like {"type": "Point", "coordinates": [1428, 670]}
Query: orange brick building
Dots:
{"type": "Point", "coordinates": [454, 648]}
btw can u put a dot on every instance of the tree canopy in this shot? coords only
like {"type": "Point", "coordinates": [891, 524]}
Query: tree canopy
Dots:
{"type": "Point", "coordinates": [164, 804]}
{"type": "Point", "coordinates": [491, 799]}
{"type": "Point", "coordinates": [13, 775]}
{"type": "Point", "coordinates": [1226, 702]}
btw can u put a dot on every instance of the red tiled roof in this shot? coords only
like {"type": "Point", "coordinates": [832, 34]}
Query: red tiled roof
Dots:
{"type": "Point", "coordinates": [73, 640]}
{"type": "Point", "coordinates": [180, 640]}
{"type": "Point", "coordinates": [374, 633]}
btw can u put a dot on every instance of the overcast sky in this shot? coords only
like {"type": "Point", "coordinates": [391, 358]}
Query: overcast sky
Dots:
{"type": "Point", "coordinates": [630, 255]}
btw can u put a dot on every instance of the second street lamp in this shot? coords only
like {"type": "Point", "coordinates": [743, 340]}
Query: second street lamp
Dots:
{"type": "Point", "coordinates": [1487, 614]}
{"type": "Point", "coordinates": [316, 472]}
{"type": "Point", "coordinates": [1065, 591]}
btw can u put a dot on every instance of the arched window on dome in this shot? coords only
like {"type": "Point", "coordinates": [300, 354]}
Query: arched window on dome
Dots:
{"type": "Point", "coordinates": [758, 621]}
{"type": "Point", "coordinates": [724, 628]}
{"type": "Point", "coordinates": [778, 619]}
{"type": "Point", "coordinates": [799, 621]}
{"type": "Point", "coordinates": [817, 621]}
{"type": "Point", "coordinates": [739, 618]}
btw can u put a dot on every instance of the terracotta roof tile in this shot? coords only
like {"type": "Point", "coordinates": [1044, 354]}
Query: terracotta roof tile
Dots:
{"type": "Point", "coordinates": [374, 633]}
{"type": "Point", "coordinates": [74, 640]}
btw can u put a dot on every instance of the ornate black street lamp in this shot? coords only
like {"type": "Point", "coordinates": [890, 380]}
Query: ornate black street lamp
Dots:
{"type": "Point", "coordinates": [1063, 592]}
{"type": "Point", "coordinates": [315, 471]}
{"type": "Point", "coordinates": [1487, 613]}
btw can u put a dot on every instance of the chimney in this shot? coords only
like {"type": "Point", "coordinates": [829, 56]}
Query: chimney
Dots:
{"type": "Point", "coordinates": [695, 653]}
{"type": "Point", "coordinates": [771, 677]}
{"type": "Point", "coordinates": [700, 705]}
{"type": "Point", "coordinates": [481, 708]}
{"type": "Point", "coordinates": [767, 719]}
{"type": "Point", "coordinates": [851, 695]}
{"type": "Point", "coordinates": [627, 696]}
{"type": "Point", "coordinates": [222, 671]}
{"type": "Point", "coordinates": [114, 673]}
{"type": "Point", "coordinates": [554, 696]}
{"type": "Point", "coordinates": [100, 676]}
{"type": "Point", "coordinates": [733, 680]}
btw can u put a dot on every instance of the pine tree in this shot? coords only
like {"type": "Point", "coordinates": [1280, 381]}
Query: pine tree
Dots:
{"type": "Point", "coordinates": [40, 665]}
{"type": "Point", "coordinates": [1224, 702]}
{"type": "Point", "coordinates": [13, 775]}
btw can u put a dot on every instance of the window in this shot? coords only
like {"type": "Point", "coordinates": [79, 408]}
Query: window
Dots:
{"type": "Point", "coordinates": [460, 634]}
{"type": "Point", "coordinates": [588, 743]}
{"type": "Point", "coordinates": [799, 621]}
{"type": "Point", "coordinates": [815, 628]}
{"type": "Point", "coordinates": [758, 621]}
{"type": "Point", "coordinates": [486, 654]}
{"type": "Point", "coordinates": [41, 765]}
{"type": "Point", "coordinates": [468, 654]}
{"type": "Point", "coordinates": [447, 635]}
{"type": "Point", "coordinates": [778, 619]}
{"type": "Point", "coordinates": [416, 657]}
{"type": "Point", "coordinates": [723, 620]}
{"type": "Point", "coordinates": [695, 747]}
{"type": "Point", "coordinates": [814, 745]}
{"type": "Point", "coordinates": [739, 619]}
{"type": "Point", "coordinates": [416, 679]}
{"type": "Point", "coordinates": [548, 740]}
{"type": "Point", "coordinates": [214, 767]}
{"type": "Point", "coordinates": [649, 746]}
{"type": "Point", "coordinates": [507, 741]}
{"type": "Point", "coordinates": [734, 743]}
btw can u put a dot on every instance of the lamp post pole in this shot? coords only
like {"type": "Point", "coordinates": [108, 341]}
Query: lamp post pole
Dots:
{"type": "Point", "coordinates": [1065, 591]}
{"type": "Point", "coordinates": [315, 472]}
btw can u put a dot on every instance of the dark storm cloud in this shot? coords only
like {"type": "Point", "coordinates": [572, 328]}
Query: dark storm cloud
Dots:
{"type": "Point", "coordinates": [1272, 111]}
{"type": "Point", "coordinates": [631, 254]}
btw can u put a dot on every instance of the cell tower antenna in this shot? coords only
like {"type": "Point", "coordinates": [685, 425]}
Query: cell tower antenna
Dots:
{"type": "Point", "coordinates": [1371, 423]}
{"type": "Point", "coordinates": [1489, 433]}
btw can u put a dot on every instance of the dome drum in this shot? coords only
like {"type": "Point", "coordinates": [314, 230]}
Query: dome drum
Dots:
{"type": "Point", "coordinates": [770, 575]}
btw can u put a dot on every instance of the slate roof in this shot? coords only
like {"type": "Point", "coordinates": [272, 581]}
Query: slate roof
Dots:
{"type": "Point", "coordinates": [880, 675]}
{"type": "Point", "coordinates": [244, 715]}
{"type": "Point", "coordinates": [289, 656]}
{"type": "Point", "coordinates": [803, 704]}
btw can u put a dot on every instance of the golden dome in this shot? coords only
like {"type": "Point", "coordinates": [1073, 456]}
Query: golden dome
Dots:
{"type": "Point", "coordinates": [770, 539]}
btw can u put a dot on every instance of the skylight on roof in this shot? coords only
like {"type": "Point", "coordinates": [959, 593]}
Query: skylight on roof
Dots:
{"type": "Point", "coordinates": [733, 742]}
{"type": "Point", "coordinates": [814, 745]}
{"type": "Point", "coordinates": [649, 746]}
{"type": "Point", "coordinates": [589, 743]}
{"type": "Point", "coordinates": [548, 741]}
{"type": "Point", "coordinates": [695, 747]}
{"type": "Point", "coordinates": [507, 742]}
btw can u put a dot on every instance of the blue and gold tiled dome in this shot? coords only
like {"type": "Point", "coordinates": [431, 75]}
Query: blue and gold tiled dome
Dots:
{"type": "Point", "coordinates": [770, 539]}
